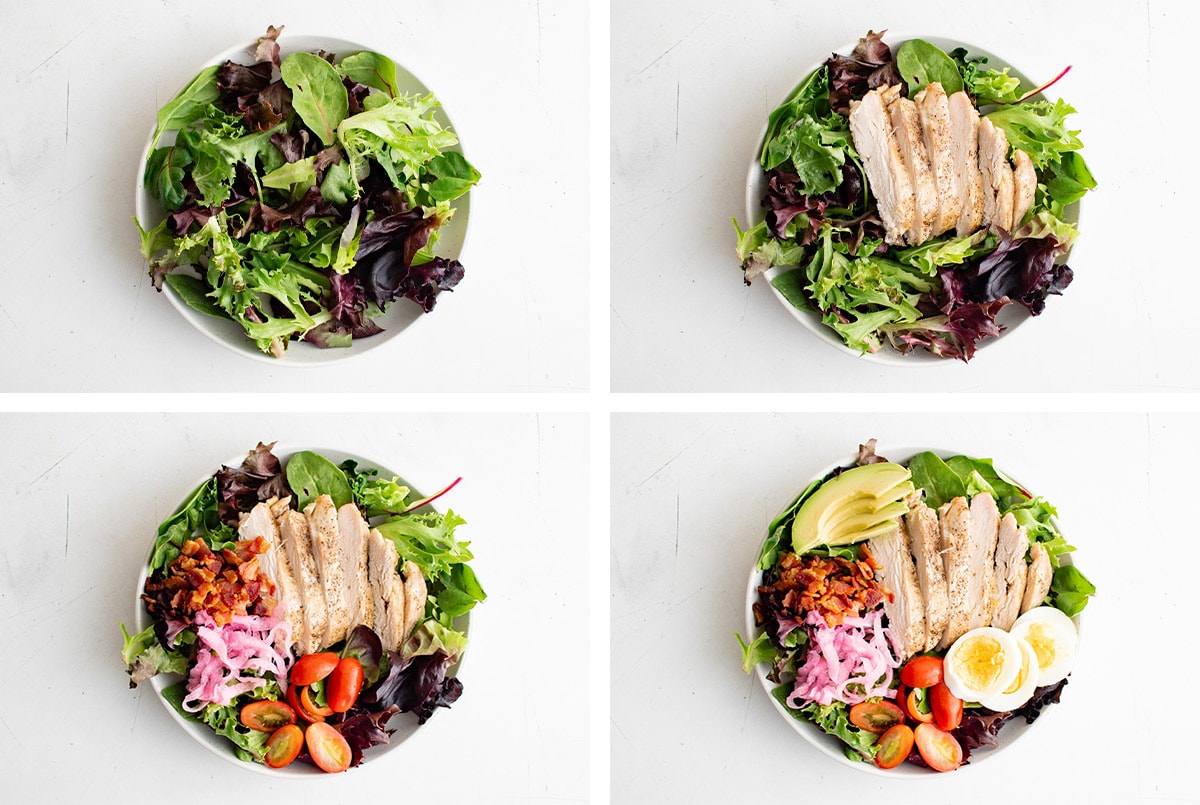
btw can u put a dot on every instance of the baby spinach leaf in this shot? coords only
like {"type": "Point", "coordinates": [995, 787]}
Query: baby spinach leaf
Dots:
{"type": "Point", "coordinates": [454, 176]}
{"type": "Point", "coordinates": [310, 475]}
{"type": "Point", "coordinates": [188, 104]}
{"type": "Point", "coordinates": [164, 175]}
{"type": "Point", "coordinates": [921, 63]}
{"type": "Point", "coordinates": [194, 293]}
{"type": "Point", "coordinates": [370, 68]}
{"type": "Point", "coordinates": [318, 94]}
{"type": "Point", "coordinates": [940, 482]}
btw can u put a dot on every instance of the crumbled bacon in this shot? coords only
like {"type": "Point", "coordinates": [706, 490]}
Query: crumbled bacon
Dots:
{"type": "Point", "coordinates": [836, 588]}
{"type": "Point", "coordinates": [223, 584]}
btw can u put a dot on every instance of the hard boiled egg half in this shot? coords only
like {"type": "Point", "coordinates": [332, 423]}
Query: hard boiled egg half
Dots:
{"type": "Point", "coordinates": [982, 663]}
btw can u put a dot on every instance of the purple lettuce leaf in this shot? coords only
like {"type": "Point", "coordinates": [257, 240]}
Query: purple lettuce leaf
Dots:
{"type": "Point", "coordinates": [951, 336]}
{"type": "Point", "coordinates": [259, 477]}
{"type": "Point", "coordinates": [1022, 269]}
{"type": "Point", "coordinates": [416, 685]}
{"type": "Point", "coordinates": [870, 65]}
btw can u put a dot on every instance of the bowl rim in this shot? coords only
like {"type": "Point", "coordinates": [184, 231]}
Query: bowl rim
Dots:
{"type": "Point", "coordinates": [146, 209]}
{"type": "Point", "coordinates": [830, 745]}
{"type": "Point", "coordinates": [201, 733]}
{"type": "Point", "coordinates": [1012, 317]}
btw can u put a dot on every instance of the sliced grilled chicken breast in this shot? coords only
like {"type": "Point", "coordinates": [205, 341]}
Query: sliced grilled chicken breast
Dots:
{"type": "Point", "coordinates": [323, 526]}
{"type": "Point", "coordinates": [981, 590]}
{"type": "Point", "coordinates": [415, 595]}
{"type": "Point", "coordinates": [934, 108]}
{"type": "Point", "coordinates": [1037, 578]}
{"type": "Point", "coordinates": [293, 532]}
{"type": "Point", "coordinates": [964, 134]}
{"type": "Point", "coordinates": [954, 519]}
{"type": "Point", "coordinates": [274, 564]}
{"type": "Point", "coordinates": [889, 179]}
{"type": "Point", "coordinates": [905, 609]}
{"type": "Point", "coordinates": [387, 590]}
{"type": "Point", "coordinates": [906, 122]}
{"type": "Point", "coordinates": [352, 533]}
{"type": "Point", "coordinates": [1024, 185]}
{"type": "Point", "coordinates": [925, 540]}
{"type": "Point", "coordinates": [997, 176]}
{"type": "Point", "coordinates": [1012, 544]}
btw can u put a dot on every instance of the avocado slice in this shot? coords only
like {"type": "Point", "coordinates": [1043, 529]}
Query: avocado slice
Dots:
{"type": "Point", "coordinates": [850, 505]}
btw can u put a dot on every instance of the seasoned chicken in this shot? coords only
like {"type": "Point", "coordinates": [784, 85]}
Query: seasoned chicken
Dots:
{"type": "Point", "coordinates": [415, 595]}
{"type": "Point", "coordinates": [964, 135]}
{"type": "Point", "coordinates": [981, 589]}
{"type": "Point", "coordinates": [1011, 546]}
{"type": "Point", "coordinates": [1024, 185]}
{"type": "Point", "coordinates": [997, 176]}
{"type": "Point", "coordinates": [274, 564]}
{"type": "Point", "coordinates": [293, 531]}
{"type": "Point", "coordinates": [889, 179]}
{"type": "Point", "coordinates": [954, 518]}
{"type": "Point", "coordinates": [934, 109]}
{"type": "Point", "coordinates": [1038, 578]}
{"type": "Point", "coordinates": [387, 589]}
{"type": "Point", "coordinates": [925, 540]}
{"type": "Point", "coordinates": [906, 122]}
{"type": "Point", "coordinates": [905, 610]}
{"type": "Point", "coordinates": [323, 526]}
{"type": "Point", "coordinates": [352, 531]}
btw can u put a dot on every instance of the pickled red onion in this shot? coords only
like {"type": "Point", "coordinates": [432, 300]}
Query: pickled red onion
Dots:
{"type": "Point", "coordinates": [858, 652]}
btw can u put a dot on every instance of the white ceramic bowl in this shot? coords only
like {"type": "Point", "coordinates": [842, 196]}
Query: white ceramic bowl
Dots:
{"type": "Point", "coordinates": [1011, 317]}
{"type": "Point", "coordinates": [830, 745]}
{"type": "Point", "coordinates": [404, 724]}
{"type": "Point", "coordinates": [401, 314]}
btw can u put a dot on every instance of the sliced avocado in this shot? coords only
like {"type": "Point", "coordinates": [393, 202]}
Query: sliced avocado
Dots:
{"type": "Point", "coordinates": [858, 492]}
{"type": "Point", "coordinates": [848, 530]}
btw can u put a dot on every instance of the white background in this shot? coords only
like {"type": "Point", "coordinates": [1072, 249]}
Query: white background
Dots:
{"type": "Point", "coordinates": [692, 84]}
{"type": "Point", "coordinates": [83, 495]}
{"type": "Point", "coordinates": [81, 87]}
{"type": "Point", "coordinates": [691, 498]}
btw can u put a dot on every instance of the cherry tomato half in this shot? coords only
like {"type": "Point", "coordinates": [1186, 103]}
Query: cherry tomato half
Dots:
{"type": "Point", "coordinates": [267, 715]}
{"type": "Point", "coordinates": [344, 684]}
{"type": "Point", "coordinates": [922, 671]}
{"type": "Point", "coordinates": [310, 704]}
{"type": "Point", "coordinates": [283, 746]}
{"type": "Point", "coordinates": [913, 705]}
{"type": "Point", "coordinates": [313, 668]}
{"type": "Point", "coordinates": [329, 750]}
{"type": "Point", "coordinates": [947, 708]}
{"type": "Point", "coordinates": [876, 717]}
{"type": "Point", "coordinates": [894, 746]}
{"type": "Point", "coordinates": [293, 697]}
{"type": "Point", "coordinates": [938, 748]}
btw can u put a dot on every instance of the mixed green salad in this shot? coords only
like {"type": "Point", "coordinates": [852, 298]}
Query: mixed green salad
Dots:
{"type": "Point", "coordinates": [231, 605]}
{"type": "Point", "coordinates": [303, 195]}
{"type": "Point", "coordinates": [854, 636]}
{"type": "Point", "coordinates": [823, 234]}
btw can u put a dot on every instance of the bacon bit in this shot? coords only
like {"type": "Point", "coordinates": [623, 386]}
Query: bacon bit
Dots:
{"type": "Point", "coordinates": [225, 584]}
{"type": "Point", "coordinates": [834, 587]}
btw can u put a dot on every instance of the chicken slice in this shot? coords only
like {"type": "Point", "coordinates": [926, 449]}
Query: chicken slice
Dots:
{"type": "Point", "coordinates": [934, 109]}
{"type": "Point", "coordinates": [274, 564]}
{"type": "Point", "coordinates": [293, 532]}
{"type": "Point", "coordinates": [997, 176]}
{"type": "Point", "coordinates": [1037, 579]}
{"type": "Point", "coordinates": [925, 540]}
{"type": "Point", "coordinates": [964, 134]}
{"type": "Point", "coordinates": [387, 590]}
{"type": "Point", "coordinates": [954, 519]}
{"type": "Point", "coordinates": [323, 526]}
{"type": "Point", "coordinates": [352, 531]}
{"type": "Point", "coordinates": [887, 176]}
{"type": "Point", "coordinates": [1011, 546]}
{"type": "Point", "coordinates": [906, 122]}
{"type": "Point", "coordinates": [981, 590]}
{"type": "Point", "coordinates": [905, 610]}
{"type": "Point", "coordinates": [1024, 185]}
{"type": "Point", "coordinates": [415, 595]}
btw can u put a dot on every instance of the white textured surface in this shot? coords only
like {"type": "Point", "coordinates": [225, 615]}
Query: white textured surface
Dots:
{"type": "Point", "coordinates": [691, 497]}
{"type": "Point", "coordinates": [82, 86]}
{"type": "Point", "coordinates": [692, 84]}
{"type": "Point", "coordinates": [83, 495]}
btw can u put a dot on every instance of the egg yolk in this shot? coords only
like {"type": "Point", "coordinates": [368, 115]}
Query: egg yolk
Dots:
{"type": "Point", "coordinates": [980, 663]}
{"type": "Point", "coordinates": [1041, 640]}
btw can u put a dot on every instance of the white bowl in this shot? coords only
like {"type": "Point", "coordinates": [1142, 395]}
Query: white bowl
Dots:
{"type": "Point", "coordinates": [404, 724]}
{"type": "Point", "coordinates": [401, 313]}
{"type": "Point", "coordinates": [1011, 317]}
{"type": "Point", "coordinates": [830, 745]}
